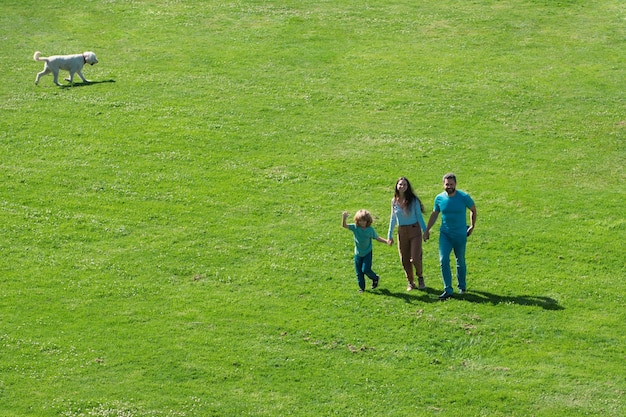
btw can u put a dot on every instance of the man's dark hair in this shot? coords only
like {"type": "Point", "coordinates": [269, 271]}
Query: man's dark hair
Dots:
{"type": "Point", "coordinates": [449, 176]}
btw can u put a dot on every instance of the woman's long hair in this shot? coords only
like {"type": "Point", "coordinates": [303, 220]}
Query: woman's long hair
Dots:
{"type": "Point", "coordinates": [409, 196]}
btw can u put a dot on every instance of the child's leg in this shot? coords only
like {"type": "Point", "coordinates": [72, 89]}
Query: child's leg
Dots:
{"type": "Point", "coordinates": [367, 267]}
{"type": "Point", "coordinates": [358, 266]}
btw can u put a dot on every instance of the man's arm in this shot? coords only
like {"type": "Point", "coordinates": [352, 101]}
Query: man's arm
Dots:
{"type": "Point", "coordinates": [431, 222]}
{"type": "Point", "coordinates": [472, 219]}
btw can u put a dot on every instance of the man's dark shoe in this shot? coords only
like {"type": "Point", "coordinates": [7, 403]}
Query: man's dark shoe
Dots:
{"type": "Point", "coordinates": [444, 296]}
{"type": "Point", "coordinates": [374, 283]}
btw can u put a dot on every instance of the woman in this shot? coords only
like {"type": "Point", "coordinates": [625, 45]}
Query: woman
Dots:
{"type": "Point", "coordinates": [406, 212]}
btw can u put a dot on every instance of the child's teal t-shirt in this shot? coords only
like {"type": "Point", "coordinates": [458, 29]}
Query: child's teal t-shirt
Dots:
{"type": "Point", "coordinates": [362, 239]}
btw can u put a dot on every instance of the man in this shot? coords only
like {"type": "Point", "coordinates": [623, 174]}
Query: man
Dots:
{"type": "Point", "coordinates": [452, 205]}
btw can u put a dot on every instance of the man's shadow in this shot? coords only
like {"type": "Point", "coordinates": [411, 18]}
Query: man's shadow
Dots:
{"type": "Point", "coordinates": [484, 297]}
{"type": "Point", "coordinates": [82, 84]}
{"type": "Point", "coordinates": [431, 296]}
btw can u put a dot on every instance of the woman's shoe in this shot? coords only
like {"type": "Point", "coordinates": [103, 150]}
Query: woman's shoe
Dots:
{"type": "Point", "coordinates": [420, 283]}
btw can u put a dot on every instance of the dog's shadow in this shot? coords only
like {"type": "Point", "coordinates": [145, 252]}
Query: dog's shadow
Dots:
{"type": "Point", "coordinates": [83, 84]}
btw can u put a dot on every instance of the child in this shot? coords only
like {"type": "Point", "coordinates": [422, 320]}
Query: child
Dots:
{"type": "Point", "coordinates": [363, 235]}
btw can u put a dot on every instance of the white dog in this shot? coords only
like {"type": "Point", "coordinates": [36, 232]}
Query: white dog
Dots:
{"type": "Point", "coordinates": [72, 63]}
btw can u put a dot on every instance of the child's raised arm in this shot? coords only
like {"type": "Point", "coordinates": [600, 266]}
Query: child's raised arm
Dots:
{"type": "Point", "coordinates": [344, 216]}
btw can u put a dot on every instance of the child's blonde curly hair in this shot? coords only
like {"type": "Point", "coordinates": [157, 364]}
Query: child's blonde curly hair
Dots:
{"type": "Point", "coordinates": [363, 215]}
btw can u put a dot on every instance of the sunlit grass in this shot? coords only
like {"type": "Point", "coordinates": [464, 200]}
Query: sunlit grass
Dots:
{"type": "Point", "coordinates": [171, 233]}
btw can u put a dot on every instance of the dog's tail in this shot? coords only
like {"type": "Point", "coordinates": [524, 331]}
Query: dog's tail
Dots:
{"type": "Point", "coordinates": [37, 57]}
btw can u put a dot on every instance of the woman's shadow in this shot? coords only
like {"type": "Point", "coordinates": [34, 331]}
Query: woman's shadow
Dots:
{"type": "Point", "coordinates": [425, 296]}
{"type": "Point", "coordinates": [431, 296]}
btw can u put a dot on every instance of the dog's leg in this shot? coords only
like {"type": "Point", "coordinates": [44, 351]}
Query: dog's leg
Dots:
{"type": "Point", "coordinates": [56, 77]}
{"type": "Point", "coordinates": [70, 78]}
{"type": "Point", "coordinates": [39, 75]}
{"type": "Point", "coordinates": [82, 77]}
{"type": "Point", "coordinates": [45, 71]}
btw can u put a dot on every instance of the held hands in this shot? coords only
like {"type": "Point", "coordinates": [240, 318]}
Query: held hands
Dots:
{"type": "Point", "coordinates": [390, 242]}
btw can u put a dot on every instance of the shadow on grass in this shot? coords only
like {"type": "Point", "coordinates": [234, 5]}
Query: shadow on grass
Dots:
{"type": "Point", "coordinates": [546, 303]}
{"type": "Point", "coordinates": [86, 84]}
{"type": "Point", "coordinates": [427, 296]}
{"type": "Point", "coordinates": [431, 296]}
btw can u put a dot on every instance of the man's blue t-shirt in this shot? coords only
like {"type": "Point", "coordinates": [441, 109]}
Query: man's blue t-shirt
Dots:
{"type": "Point", "coordinates": [362, 239]}
{"type": "Point", "coordinates": [452, 209]}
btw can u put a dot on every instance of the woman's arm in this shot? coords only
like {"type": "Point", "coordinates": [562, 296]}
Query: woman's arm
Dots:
{"type": "Point", "coordinates": [418, 213]}
{"type": "Point", "coordinates": [392, 223]}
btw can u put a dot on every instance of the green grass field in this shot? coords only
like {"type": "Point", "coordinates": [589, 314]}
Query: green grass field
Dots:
{"type": "Point", "coordinates": [171, 232]}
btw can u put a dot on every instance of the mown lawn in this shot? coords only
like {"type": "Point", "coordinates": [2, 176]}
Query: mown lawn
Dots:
{"type": "Point", "coordinates": [171, 240]}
